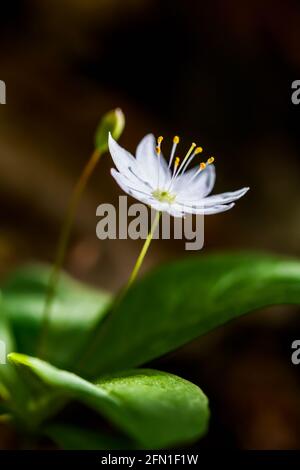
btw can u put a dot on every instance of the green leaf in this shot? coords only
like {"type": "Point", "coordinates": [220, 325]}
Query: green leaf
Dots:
{"type": "Point", "coordinates": [12, 391]}
{"type": "Point", "coordinates": [6, 335]}
{"type": "Point", "coordinates": [7, 344]}
{"type": "Point", "coordinates": [180, 301]}
{"type": "Point", "coordinates": [153, 408]}
{"type": "Point", "coordinates": [112, 122]}
{"type": "Point", "coordinates": [75, 312]}
{"type": "Point", "coordinates": [79, 438]}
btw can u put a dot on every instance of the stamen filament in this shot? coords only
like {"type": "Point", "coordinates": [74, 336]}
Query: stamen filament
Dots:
{"type": "Point", "coordinates": [196, 152]}
{"type": "Point", "coordinates": [176, 165]}
{"type": "Point", "coordinates": [202, 167]}
{"type": "Point", "coordinates": [175, 143]}
{"type": "Point", "coordinates": [196, 174]}
{"type": "Point", "coordinates": [186, 156]}
{"type": "Point", "coordinates": [158, 151]}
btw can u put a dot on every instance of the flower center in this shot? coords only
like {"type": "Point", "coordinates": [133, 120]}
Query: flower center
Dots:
{"type": "Point", "coordinates": [164, 196]}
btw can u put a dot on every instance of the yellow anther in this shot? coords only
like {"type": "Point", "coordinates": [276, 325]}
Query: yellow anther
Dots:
{"type": "Point", "coordinates": [177, 161]}
{"type": "Point", "coordinates": [198, 150]}
{"type": "Point", "coordinates": [159, 141]}
{"type": "Point", "coordinates": [191, 149]}
{"type": "Point", "coordinates": [176, 139]}
{"type": "Point", "coordinates": [210, 160]}
{"type": "Point", "coordinates": [202, 166]}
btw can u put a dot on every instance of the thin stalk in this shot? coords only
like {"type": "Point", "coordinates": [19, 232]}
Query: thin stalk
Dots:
{"type": "Point", "coordinates": [123, 291]}
{"type": "Point", "coordinates": [143, 252]}
{"type": "Point", "coordinates": [62, 245]}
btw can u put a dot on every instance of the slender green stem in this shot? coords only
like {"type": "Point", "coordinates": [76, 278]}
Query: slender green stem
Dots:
{"type": "Point", "coordinates": [62, 245]}
{"type": "Point", "coordinates": [143, 252]}
{"type": "Point", "coordinates": [123, 291]}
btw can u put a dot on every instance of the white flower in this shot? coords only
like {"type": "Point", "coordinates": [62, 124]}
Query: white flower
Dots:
{"type": "Point", "coordinates": [178, 191]}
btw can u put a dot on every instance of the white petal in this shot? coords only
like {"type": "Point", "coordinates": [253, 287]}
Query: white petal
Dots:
{"type": "Point", "coordinates": [139, 192]}
{"type": "Point", "coordinates": [225, 198]}
{"type": "Point", "coordinates": [124, 161]}
{"type": "Point", "coordinates": [218, 208]}
{"type": "Point", "coordinates": [166, 207]}
{"type": "Point", "coordinates": [216, 199]}
{"type": "Point", "coordinates": [199, 187]}
{"type": "Point", "coordinates": [149, 162]}
{"type": "Point", "coordinates": [146, 147]}
{"type": "Point", "coordinates": [203, 210]}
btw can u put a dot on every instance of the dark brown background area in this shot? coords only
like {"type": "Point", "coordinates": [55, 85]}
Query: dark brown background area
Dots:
{"type": "Point", "coordinates": [217, 72]}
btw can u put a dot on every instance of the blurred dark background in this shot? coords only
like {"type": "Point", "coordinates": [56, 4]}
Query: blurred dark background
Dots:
{"type": "Point", "coordinates": [217, 72]}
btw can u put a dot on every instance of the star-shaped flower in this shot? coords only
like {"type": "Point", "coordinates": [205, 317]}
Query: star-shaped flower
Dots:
{"type": "Point", "coordinates": [169, 187]}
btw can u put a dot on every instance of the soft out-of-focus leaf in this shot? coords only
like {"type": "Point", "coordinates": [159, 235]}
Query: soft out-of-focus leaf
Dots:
{"type": "Point", "coordinates": [80, 438]}
{"type": "Point", "coordinates": [153, 408]}
{"type": "Point", "coordinates": [180, 301]}
{"type": "Point", "coordinates": [6, 335]}
{"type": "Point", "coordinates": [12, 390]}
{"type": "Point", "coordinates": [74, 313]}
{"type": "Point", "coordinates": [7, 344]}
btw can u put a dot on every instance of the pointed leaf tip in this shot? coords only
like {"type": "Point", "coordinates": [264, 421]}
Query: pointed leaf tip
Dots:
{"type": "Point", "coordinates": [17, 358]}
